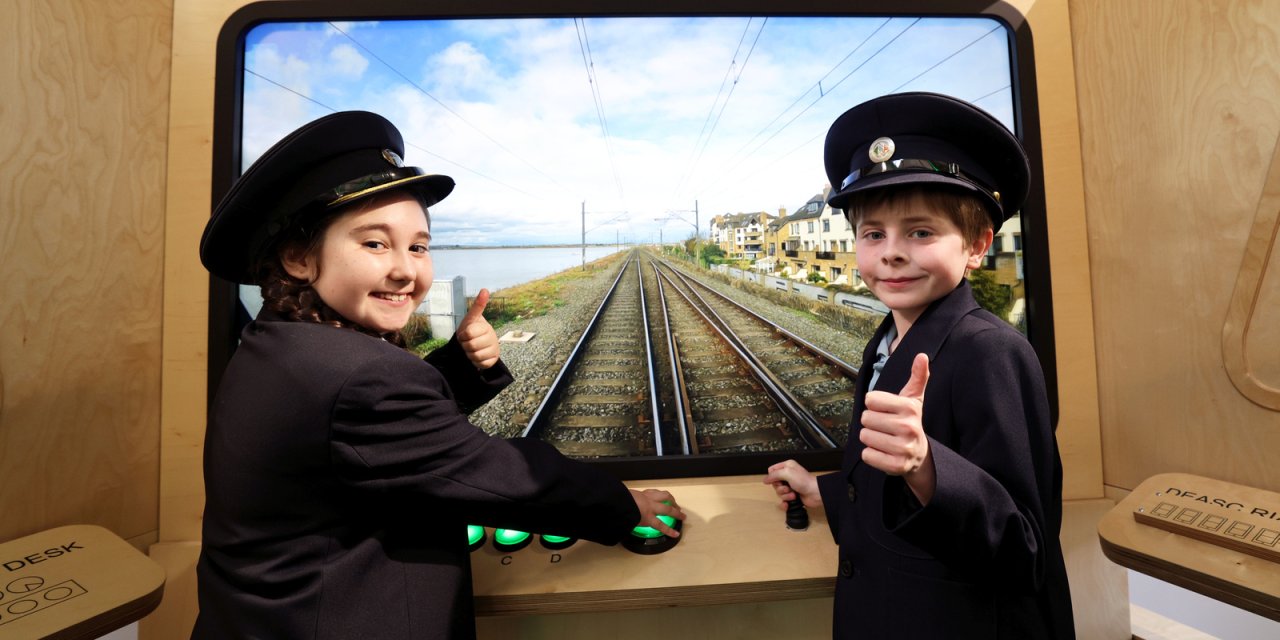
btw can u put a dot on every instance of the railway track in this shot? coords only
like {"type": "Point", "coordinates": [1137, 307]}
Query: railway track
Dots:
{"type": "Point", "coordinates": [822, 384]}
{"type": "Point", "coordinates": [668, 367]}
{"type": "Point", "coordinates": [601, 404]}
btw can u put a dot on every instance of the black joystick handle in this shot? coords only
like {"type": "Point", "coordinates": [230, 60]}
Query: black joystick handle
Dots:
{"type": "Point", "coordinates": [797, 517]}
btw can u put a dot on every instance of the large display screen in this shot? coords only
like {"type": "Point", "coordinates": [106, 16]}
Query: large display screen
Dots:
{"type": "Point", "coordinates": [692, 129]}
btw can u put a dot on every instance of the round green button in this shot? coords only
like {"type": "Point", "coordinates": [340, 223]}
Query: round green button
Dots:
{"type": "Point", "coordinates": [475, 533]}
{"type": "Point", "coordinates": [509, 537]}
{"type": "Point", "coordinates": [556, 539]}
{"type": "Point", "coordinates": [650, 532]}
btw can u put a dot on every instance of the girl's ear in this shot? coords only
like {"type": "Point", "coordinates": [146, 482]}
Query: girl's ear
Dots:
{"type": "Point", "coordinates": [298, 262]}
{"type": "Point", "coordinates": [979, 249]}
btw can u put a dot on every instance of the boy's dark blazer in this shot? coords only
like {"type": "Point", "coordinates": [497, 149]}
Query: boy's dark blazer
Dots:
{"type": "Point", "coordinates": [340, 475]}
{"type": "Point", "coordinates": [982, 559]}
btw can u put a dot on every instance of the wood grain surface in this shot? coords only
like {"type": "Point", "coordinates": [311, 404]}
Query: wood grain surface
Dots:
{"type": "Point", "coordinates": [1218, 571]}
{"type": "Point", "coordinates": [85, 90]}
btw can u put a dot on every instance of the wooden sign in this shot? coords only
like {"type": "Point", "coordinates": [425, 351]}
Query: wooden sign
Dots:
{"type": "Point", "coordinates": [79, 581]}
{"type": "Point", "coordinates": [1227, 519]}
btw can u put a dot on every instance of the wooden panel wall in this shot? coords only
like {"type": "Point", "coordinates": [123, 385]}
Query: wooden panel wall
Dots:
{"type": "Point", "coordinates": [1179, 119]}
{"type": "Point", "coordinates": [82, 180]}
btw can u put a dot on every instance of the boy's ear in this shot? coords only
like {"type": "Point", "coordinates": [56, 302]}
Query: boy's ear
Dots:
{"type": "Point", "coordinates": [298, 262]}
{"type": "Point", "coordinates": [979, 249]}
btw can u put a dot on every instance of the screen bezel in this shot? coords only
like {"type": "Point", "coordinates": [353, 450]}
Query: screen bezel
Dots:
{"type": "Point", "coordinates": [226, 318]}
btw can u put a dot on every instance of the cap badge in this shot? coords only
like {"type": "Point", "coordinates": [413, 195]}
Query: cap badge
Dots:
{"type": "Point", "coordinates": [881, 149]}
{"type": "Point", "coordinates": [392, 157]}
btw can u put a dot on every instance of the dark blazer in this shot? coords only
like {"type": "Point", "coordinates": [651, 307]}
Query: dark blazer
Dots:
{"type": "Point", "coordinates": [339, 476]}
{"type": "Point", "coordinates": [982, 560]}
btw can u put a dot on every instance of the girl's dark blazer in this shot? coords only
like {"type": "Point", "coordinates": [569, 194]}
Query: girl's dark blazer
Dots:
{"type": "Point", "coordinates": [982, 559]}
{"type": "Point", "coordinates": [340, 473]}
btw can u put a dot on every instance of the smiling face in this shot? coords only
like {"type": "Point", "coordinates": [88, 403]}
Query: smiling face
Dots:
{"type": "Point", "coordinates": [372, 266]}
{"type": "Point", "coordinates": [910, 253]}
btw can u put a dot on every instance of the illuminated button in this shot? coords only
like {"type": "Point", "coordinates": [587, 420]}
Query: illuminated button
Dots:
{"type": "Point", "coordinates": [650, 532]}
{"type": "Point", "coordinates": [556, 543]}
{"type": "Point", "coordinates": [510, 539]}
{"type": "Point", "coordinates": [648, 541]}
{"type": "Point", "coordinates": [475, 536]}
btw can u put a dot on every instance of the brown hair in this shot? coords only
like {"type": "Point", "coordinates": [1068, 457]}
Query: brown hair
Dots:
{"type": "Point", "coordinates": [296, 299]}
{"type": "Point", "coordinates": [965, 210]}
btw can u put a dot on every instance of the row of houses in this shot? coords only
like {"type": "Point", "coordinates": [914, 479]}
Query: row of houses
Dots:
{"type": "Point", "coordinates": [816, 239]}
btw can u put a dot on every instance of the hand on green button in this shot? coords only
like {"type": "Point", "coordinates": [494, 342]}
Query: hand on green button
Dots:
{"type": "Point", "coordinates": [658, 513]}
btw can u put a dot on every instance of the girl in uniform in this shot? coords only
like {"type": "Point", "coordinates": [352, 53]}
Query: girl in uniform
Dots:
{"type": "Point", "coordinates": [340, 469]}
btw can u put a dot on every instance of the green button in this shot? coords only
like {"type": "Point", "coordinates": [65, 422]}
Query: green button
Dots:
{"type": "Point", "coordinates": [556, 539]}
{"type": "Point", "coordinates": [475, 534]}
{"type": "Point", "coordinates": [650, 532]}
{"type": "Point", "coordinates": [509, 537]}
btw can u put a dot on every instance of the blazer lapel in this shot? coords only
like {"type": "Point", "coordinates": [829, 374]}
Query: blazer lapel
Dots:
{"type": "Point", "coordinates": [926, 336]}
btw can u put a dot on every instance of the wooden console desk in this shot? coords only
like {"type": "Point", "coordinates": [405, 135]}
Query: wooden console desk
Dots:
{"type": "Point", "coordinates": [735, 548]}
{"type": "Point", "coordinates": [73, 582]}
{"type": "Point", "coordinates": [1213, 537]}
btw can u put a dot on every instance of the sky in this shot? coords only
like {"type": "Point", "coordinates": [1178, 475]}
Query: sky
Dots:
{"type": "Point", "coordinates": [621, 126]}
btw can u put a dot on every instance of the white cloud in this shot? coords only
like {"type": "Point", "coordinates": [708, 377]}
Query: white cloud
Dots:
{"type": "Point", "coordinates": [520, 132]}
{"type": "Point", "coordinates": [345, 62]}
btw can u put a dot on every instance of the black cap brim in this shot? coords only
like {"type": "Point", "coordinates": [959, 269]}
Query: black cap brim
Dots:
{"type": "Point", "coordinates": [287, 179]}
{"type": "Point", "coordinates": [989, 159]}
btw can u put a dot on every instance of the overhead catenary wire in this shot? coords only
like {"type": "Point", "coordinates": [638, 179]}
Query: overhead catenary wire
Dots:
{"type": "Point", "coordinates": [940, 62]}
{"type": "Point", "coordinates": [935, 65]}
{"type": "Point", "coordinates": [588, 61]}
{"type": "Point", "coordinates": [990, 93]}
{"type": "Point", "coordinates": [700, 145]}
{"type": "Point", "coordinates": [810, 141]}
{"type": "Point", "coordinates": [407, 143]}
{"type": "Point", "coordinates": [817, 85]}
{"type": "Point", "coordinates": [445, 106]}
{"type": "Point", "coordinates": [822, 94]}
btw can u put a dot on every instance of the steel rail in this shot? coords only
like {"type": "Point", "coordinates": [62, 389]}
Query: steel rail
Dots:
{"type": "Point", "coordinates": [542, 415]}
{"type": "Point", "coordinates": [684, 417]}
{"type": "Point", "coordinates": [830, 358]}
{"type": "Point", "coordinates": [650, 364]}
{"type": "Point", "coordinates": [806, 424]}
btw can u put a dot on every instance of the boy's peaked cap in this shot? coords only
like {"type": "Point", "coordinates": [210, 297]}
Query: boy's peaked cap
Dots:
{"type": "Point", "coordinates": [915, 138]}
{"type": "Point", "coordinates": [330, 162]}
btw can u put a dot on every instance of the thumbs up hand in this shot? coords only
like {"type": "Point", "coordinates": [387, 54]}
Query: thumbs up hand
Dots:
{"type": "Point", "coordinates": [893, 432]}
{"type": "Point", "coordinates": [476, 335]}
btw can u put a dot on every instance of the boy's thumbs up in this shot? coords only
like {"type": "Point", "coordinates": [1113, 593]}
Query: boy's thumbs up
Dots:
{"type": "Point", "coordinates": [919, 378]}
{"type": "Point", "coordinates": [893, 431]}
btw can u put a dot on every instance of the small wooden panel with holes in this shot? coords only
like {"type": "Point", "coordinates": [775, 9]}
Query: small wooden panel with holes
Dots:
{"type": "Point", "coordinates": [1224, 521]}
{"type": "Point", "coordinates": [1213, 537]}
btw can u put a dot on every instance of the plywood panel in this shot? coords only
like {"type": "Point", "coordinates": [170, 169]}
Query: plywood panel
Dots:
{"type": "Point", "coordinates": [1252, 327]}
{"type": "Point", "coordinates": [176, 616]}
{"type": "Point", "coordinates": [790, 619]}
{"type": "Point", "coordinates": [186, 302]}
{"type": "Point", "coordinates": [85, 106]}
{"type": "Point", "coordinates": [1099, 587]}
{"type": "Point", "coordinates": [1179, 115]}
{"type": "Point", "coordinates": [1079, 438]}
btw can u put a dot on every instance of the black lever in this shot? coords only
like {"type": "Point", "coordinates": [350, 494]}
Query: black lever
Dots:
{"type": "Point", "coordinates": [797, 517]}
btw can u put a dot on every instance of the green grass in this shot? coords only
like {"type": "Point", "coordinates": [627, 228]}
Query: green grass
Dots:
{"type": "Point", "coordinates": [539, 297]}
{"type": "Point", "coordinates": [528, 300]}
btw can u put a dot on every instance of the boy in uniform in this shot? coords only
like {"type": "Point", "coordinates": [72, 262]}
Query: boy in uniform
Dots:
{"type": "Point", "coordinates": [948, 504]}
